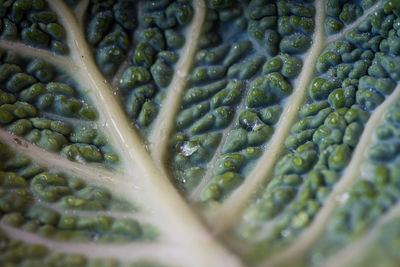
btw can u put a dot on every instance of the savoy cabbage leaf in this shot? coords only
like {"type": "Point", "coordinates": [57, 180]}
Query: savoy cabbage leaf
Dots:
{"type": "Point", "coordinates": [199, 132]}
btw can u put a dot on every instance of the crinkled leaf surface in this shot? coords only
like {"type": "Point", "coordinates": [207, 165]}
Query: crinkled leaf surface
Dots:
{"type": "Point", "coordinates": [199, 133]}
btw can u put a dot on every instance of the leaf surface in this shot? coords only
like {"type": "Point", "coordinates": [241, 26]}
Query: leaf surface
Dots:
{"type": "Point", "coordinates": [199, 133]}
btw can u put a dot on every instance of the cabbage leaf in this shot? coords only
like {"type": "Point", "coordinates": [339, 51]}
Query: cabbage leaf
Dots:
{"type": "Point", "coordinates": [199, 132]}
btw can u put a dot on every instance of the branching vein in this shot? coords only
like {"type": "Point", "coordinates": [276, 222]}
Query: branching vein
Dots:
{"type": "Point", "coordinates": [142, 178]}
{"type": "Point", "coordinates": [308, 238]}
{"type": "Point", "coordinates": [160, 195]}
{"type": "Point", "coordinates": [90, 174]}
{"type": "Point", "coordinates": [123, 252]}
{"type": "Point", "coordinates": [164, 123]}
{"type": "Point", "coordinates": [233, 206]}
{"type": "Point", "coordinates": [195, 196]}
{"type": "Point", "coordinates": [80, 11]}
{"type": "Point", "coordinates": [355, 24]}
{"type": "Point", "coordinates": [127, 62]}
{"type": "Point", "coordinates": [142, 218]}
{"type": "Point", "coordinates": [50, 57]}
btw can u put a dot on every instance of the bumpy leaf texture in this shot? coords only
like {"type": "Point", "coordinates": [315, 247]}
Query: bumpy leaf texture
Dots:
{"type": "Point", "coordinates": [199, 133]}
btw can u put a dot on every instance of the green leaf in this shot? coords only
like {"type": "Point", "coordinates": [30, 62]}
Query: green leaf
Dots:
{"type": "Point", "coordinates": [199, 133]}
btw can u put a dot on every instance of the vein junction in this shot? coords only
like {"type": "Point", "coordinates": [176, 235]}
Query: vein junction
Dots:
{"type": "Point", "coordinates": [143, 178]}
{"type": "Point", "coordinates": [139, 169]}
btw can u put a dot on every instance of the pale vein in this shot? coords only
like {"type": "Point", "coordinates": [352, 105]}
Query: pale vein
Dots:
{"type": "Point", "coordinates": [80, 11]}
{"type": "Point", "coordinates": [195, 196]}
{"type": "Point", "coordinates": [26, 50]}
{"type": "Point", "coordinates": [133, 215]}
{"type": "Point", "coordinates": [123, 252]}
{"type": "Point", "coordinates": [165, 121]}
{"type": "Point", "coordinates": [355, 24]}
{"type": "Point", "coordinates": [160, 195]}
{"type": "Point", "coordinates": [127, 62]}
{"type": "Point", "coordinates": [90, 174]}
{"type": "Point", "coordinates": [227, 214]}
{"type": "Point", "coordinates": [309, 236]}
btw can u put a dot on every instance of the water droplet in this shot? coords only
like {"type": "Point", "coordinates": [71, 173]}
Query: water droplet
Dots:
{"type": "Point", "coordinates": [188, 149]}
{"type": "Point", "coordinates": [342, 198]}
{"type": "Point", "coordinates": [286, 233]}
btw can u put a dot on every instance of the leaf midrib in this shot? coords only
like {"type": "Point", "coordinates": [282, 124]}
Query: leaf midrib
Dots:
{"type": "Point", "coordinates": [161, 196]}
{"type": "Point", "coordinates": [148, 175]}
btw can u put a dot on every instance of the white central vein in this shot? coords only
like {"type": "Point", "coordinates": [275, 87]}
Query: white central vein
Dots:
{"type": "Point", "coordinates": [227, 214]}
{"type": "Point", "coordinates": [165, 121]}
{"type": "Point", "coordinates": [161, 197]}
{"type": "Point", "coordinates": [309, 236]}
